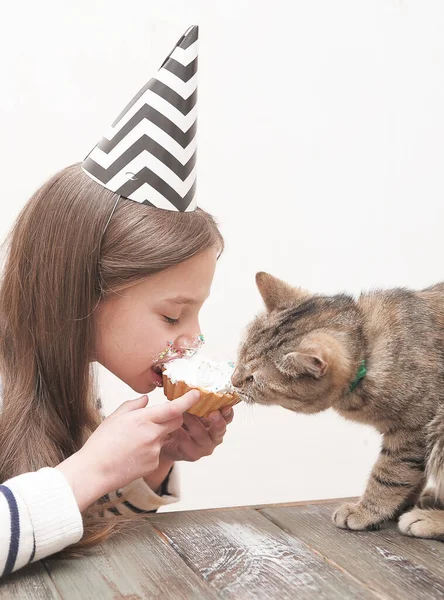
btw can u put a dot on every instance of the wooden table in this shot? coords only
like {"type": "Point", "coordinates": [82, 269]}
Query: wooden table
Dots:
{"type": "Point", "coordinates": [283, 552]}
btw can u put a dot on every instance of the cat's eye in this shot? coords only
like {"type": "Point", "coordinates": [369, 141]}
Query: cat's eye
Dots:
{"type": "Point", "coordinates": [249, 379]}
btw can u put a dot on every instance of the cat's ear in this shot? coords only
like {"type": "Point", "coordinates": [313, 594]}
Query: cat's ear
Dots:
{"type": "Point", "coordinates": [302, 363]}
{"type": "Point", "coordinates": [275, 292]}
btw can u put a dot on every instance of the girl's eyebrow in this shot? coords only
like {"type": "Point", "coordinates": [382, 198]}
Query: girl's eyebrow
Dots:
{"type": "Point", "coordinates": [181, 300]}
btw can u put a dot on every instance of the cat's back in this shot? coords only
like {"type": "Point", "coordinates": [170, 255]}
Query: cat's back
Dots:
{"type": "Point", "coordinates": [395, 308]}
{"type": "Point", "coordinates": [403, 321]}
{"type": "Point", "coordinates": [434, 298]}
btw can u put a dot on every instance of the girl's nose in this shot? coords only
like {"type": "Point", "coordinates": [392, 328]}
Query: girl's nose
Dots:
{"type": "Point", "coordinates": [188, 344]}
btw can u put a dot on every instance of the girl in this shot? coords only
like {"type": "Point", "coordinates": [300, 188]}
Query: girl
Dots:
{"type": "Point", "coordinates": [66, 301]}
{"type": "Point", "coordinates": [109, 262]}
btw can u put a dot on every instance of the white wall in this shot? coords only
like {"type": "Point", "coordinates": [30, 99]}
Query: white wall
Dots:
{"type": "Point", "coordinates": [321, 153]}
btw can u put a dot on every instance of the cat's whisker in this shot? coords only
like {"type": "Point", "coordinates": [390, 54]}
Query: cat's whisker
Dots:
{"type": "Point", "coordinates": [250, 413]}
{"type": "Point", "coordinates": [244, 397]}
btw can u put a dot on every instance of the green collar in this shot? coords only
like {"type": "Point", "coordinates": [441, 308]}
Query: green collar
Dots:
{"type": "Point", "coordinates": [362, 372]}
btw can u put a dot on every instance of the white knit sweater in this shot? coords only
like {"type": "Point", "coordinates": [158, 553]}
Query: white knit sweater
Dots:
{"type": "Point", "coordinates": [39, 514]}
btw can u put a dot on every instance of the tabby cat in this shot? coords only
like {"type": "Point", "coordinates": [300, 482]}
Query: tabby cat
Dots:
{"type": "Point", "coordinates": [377, 360]}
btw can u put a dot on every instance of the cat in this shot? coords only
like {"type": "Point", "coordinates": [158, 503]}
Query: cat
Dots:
{"type": "Point", "coordinates": [377, 360]}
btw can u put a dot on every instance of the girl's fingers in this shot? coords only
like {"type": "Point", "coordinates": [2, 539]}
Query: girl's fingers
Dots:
{"type": "Point", "coordinates": [217, 428]}
{"type": "Point", "coordinates": [173, 409]}
{"type": "Point", "coordinates": [196, 430]}
{"type": "Point", "coordinates": [171, 425]}
{"type": "Point", "coordinates": [228, 414]}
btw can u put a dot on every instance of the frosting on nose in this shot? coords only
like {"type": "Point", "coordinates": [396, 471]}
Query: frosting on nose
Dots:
{"type": "Point", "coordinates": [186, 345]}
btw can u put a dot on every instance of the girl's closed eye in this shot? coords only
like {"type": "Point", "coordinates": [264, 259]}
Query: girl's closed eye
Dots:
{"type": "Point", "coordinates": [170, 320]}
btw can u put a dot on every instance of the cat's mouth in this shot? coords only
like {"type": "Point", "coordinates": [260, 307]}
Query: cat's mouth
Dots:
{"type": "Point", "coordinates": [244, 397]}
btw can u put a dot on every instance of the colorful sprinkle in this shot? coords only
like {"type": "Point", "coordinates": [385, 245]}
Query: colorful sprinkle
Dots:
{"type": "Point", "coordinates": [164, 353]}
{"type": "Point", "coordinates": [172, 352]}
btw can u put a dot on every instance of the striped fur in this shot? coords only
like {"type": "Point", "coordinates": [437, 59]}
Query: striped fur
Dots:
{"type": "Point", "coordinates": [304, 353]}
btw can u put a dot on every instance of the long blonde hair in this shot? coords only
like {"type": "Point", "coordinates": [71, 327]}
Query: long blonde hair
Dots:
{"type": "Point", "coordinates": [58, 267]}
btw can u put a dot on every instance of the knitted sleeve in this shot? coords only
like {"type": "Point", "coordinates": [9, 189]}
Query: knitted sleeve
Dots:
{"type": "Point", "coordinates": [38, 517]}
{"type": "Point", "coordinates": [138, 499]}
{"type": "Point", "coordinates": [39, 514]}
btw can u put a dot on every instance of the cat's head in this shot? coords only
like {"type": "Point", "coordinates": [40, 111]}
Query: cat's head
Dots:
{"type": "Point", "coordinates": [301, 352]}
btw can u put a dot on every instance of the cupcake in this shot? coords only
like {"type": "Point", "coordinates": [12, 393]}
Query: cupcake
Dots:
{"type": "Point", "coordinates": [212, 379]}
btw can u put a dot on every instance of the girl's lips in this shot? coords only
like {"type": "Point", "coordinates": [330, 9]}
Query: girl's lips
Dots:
{"type": "Point", "coordinates": [156, 371]}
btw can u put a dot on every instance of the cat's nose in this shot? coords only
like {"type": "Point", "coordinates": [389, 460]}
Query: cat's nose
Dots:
{"type": "Point", "coordinates": [239, 377]}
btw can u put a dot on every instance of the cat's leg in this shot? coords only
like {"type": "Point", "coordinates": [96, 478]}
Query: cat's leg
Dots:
{"type": "Point", "coordinates": [395, 482]}
{"type": "Point", "coordinates": [429, 499]}
{"type": "Point", "coordinates": [427, 521]}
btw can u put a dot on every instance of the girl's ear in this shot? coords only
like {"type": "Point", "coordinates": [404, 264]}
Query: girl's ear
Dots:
{"type": "Point", "coordinates": [275, 292]}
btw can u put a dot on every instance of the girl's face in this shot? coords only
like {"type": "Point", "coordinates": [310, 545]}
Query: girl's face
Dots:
{"type": "Point", "coordinates": [136, 327]}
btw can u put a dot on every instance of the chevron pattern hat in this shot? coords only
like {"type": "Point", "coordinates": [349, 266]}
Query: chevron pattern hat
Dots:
{"type": "Point", "coordinates": [149, 153]}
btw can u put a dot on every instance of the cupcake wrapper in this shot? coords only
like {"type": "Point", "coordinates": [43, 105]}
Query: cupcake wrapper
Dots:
{"type": "Point", "coordinates": [209, 401]}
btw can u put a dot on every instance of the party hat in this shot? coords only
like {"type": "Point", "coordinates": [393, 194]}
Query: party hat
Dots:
{"type": "Point", "coordinates": [149, 153]}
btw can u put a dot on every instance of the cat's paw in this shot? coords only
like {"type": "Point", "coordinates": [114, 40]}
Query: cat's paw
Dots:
{"type": "Point", "coordinates": [355, 517]}
{"type": "Point", "coordinates": [423, 523]}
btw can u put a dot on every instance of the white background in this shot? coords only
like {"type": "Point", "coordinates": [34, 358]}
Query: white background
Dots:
{"type": "Point", "coordinates": [321, 152]}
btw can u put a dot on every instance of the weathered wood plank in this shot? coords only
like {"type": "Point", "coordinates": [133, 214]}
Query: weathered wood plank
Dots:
{"type": "Point", "coordinates": [134, 564]}
{"type": "Point", "coordinates": [243, 555]}
{"type": "Point", "coordinates": [285, 504]}
{"type": "Point", "coordinates": [30, 583]}
{"type": "Point", "coordinates": [387, 562]}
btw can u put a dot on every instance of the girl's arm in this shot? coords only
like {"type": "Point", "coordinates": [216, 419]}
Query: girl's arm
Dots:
{"type": "Point", "coordinates": [199, 439]}
{"type": "Point", "coordinates": [39, 516]}
{"type": "Point", "coordinates": [40, 512]}
{"type": "Point", "coordinates": [145, 495]}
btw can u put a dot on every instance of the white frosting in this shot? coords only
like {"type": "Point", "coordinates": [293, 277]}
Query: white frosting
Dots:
{"type": "Point", "coordinates": [198, 371]}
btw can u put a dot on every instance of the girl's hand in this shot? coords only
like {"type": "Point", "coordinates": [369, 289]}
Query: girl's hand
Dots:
{"type": "Point", "coordinates": [124, 447]}
{"type": "Point", "coordinates": [197, 437]}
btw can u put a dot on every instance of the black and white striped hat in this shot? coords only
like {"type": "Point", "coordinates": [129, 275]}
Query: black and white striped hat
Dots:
{"type": "Point", "coordinates": [149, 153]}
